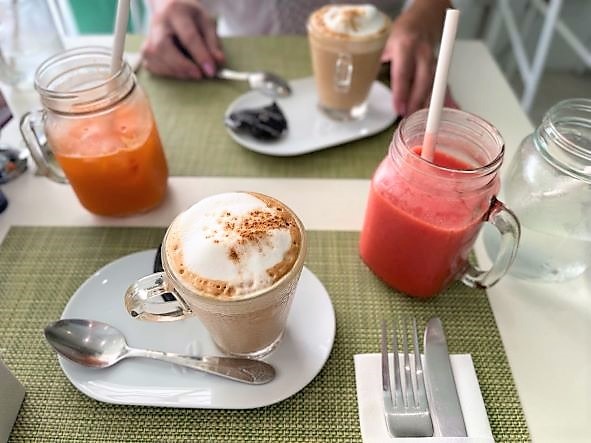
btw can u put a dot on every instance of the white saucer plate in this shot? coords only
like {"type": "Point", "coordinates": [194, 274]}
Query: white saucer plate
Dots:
{"type": "Point", "coordinates": [299, 357]}
{"type": "Point", "coordinates": [308, 128]}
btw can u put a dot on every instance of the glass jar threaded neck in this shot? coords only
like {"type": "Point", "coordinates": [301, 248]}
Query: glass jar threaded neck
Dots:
{"type": "Point", "coordinates": [79, 81]}
{"type": "Point", "coordinates": [564, 138]}
{"type": "Point", "coordinates": [462, 136]}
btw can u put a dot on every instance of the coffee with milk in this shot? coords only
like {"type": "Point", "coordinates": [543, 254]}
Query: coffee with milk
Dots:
{"type": "Point", "coordinates": [233, 260]}
{"type": "Point", "coordinates": [346, 43]}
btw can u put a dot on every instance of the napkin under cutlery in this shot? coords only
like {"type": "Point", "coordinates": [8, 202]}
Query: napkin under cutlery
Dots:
{"type": "Point", "coordinates": [368, 378]}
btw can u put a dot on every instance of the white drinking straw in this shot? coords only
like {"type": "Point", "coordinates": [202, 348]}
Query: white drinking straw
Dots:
{"type": "Point", "coordinates": [440, 83]}
{"type": "Point", "coordinates": [120, 31]}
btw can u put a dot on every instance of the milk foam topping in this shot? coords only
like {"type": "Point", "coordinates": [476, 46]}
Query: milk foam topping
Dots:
{"type": "Point", "coordinates": [236, 239]}
{"type": "Point", "coordinates": [354, 20]}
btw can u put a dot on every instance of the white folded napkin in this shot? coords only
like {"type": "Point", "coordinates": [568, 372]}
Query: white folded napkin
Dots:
{"type": "Point", "coordinates": [368, 378]}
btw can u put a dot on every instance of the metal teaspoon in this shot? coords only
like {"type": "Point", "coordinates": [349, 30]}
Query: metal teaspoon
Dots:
{"type": "Point", "coordinates": [99, 345]}
{"type": "Point", "coordinates": [266, 82]}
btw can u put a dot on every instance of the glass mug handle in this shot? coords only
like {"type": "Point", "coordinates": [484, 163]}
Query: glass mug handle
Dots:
{"type": "Point", "coordinates": [31, 127]}
{"type": "Point", "coordinates": [343, 72]}
{"type": "Point", "coordinates": [153, 298]}
{"type": "Point", "coordinates": [508, 226]}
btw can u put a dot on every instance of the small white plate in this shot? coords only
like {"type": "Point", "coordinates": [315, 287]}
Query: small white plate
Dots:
{"type": "Point", "coordinates": [308, 128]}
{"type": "Point", "coordinates": [299, 357]}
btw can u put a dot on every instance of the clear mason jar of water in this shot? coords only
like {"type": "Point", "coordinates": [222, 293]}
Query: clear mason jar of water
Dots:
{"type": "Point", "coordinates": [548, 186]}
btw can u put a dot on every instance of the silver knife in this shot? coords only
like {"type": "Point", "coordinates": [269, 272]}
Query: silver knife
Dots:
{"type": "Point", "coordinates": [446, 412]}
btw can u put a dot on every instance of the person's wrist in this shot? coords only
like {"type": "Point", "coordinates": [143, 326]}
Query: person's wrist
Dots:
{"type": "Point", "coordinates": [158, 6]}
{"type": "Point", "coordinates": [438, 6]}
{"type": "Point", "coordinates": [429, 14]}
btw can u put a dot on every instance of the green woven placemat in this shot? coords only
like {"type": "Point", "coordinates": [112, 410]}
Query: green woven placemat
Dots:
{"type": "Point", "coordinates": [190, 120]}
{"type": "Point", "coordinates": [42, 267]}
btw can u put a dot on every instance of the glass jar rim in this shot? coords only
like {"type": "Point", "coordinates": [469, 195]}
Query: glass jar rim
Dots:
{"type": "Point", "coordinates": [79, 81]}
{"type": "Point", "coordinates": [550, 126]}
{"type": "Point", "coordinates": [69, 54]}
{"type": "Point", "coordinates": [446, 116]}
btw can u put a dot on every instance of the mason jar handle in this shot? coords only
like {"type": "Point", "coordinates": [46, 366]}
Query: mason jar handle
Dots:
{"type": "Point", "coordinates": [153, 298]}
{"type": "Point", "coordinates": [31, 127]}
{"type": "Point", "coordinates": [505, 221]}
{"type": "Point", "coordinates": [343, 72]}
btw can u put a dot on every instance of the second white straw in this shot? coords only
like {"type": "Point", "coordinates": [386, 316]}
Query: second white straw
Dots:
{"type": "Point", "coordinates": [120, 31]}
{"type": "Point", "coordinates": [448, 37]}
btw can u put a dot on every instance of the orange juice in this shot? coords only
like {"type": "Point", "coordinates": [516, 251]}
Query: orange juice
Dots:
{"type": "Point", "coordinates": [113, 159]}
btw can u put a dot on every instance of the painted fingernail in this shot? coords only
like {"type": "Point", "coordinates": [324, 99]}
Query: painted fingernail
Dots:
{"type": "Point", "coordinates": [209, 69]}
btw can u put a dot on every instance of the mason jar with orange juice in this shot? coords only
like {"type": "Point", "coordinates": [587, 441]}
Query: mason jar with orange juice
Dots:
{"type": "Point", "coordinates": [101, 131]}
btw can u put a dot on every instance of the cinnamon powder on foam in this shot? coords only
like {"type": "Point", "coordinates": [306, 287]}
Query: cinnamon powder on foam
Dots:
{"type": "Point", "coordinates": [351, 16]}
{"type": "Point", "coordinates": [251, 229]}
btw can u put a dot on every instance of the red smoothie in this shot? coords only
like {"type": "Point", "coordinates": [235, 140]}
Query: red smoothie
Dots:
{"type": "Point", "coordinates": [417, 236]}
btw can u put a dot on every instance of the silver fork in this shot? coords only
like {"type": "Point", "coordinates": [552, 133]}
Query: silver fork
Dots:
{"type": "Point", "coordinates": [407, 411]}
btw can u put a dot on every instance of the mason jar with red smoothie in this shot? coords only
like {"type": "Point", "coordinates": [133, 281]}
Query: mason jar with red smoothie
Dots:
{"type": "Point", "coordinates": [423, 217]}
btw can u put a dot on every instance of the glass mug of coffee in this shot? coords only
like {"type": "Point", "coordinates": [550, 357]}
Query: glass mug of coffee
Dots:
{"type": "Point", "coordinates": [233, 260]}
{"type": "Point", "coordinates": [423, 217]}
{"type": "Point", "coordinates": [97, 132]}
{"type": "Point", "coordinates": [346, 44]}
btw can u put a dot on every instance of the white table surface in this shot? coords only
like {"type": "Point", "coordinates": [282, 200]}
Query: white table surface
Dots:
{"type": "Point", "coordinates": [546, 328]}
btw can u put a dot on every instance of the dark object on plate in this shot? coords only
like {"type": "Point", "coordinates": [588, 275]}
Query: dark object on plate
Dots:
{"type": "Point", "coordinates": [158, 260]}
{"type": "Point", "coordinates": [267, 123]}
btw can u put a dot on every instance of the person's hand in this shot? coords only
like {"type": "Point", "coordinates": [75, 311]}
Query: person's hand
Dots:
{"type": "Point", "coordinates": [410, 49]}
{"type": "Point", "coordinates": [182, 41]}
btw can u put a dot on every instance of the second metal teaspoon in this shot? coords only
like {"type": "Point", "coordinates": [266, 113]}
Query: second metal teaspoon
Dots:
{"type": "Point", "coordinates": [99, 345]}
{"type": "Point", "coordinates": [266, 82]}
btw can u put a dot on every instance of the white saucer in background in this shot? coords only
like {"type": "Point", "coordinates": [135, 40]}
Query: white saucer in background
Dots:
{"type": "Point", "coordinates": [308, 128]}
{"type": "Point", "coordinates": [299, 357]}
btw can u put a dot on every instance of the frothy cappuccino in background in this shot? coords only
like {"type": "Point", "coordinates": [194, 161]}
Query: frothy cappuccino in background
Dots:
{"type": "Point", "coordinates": [346, 43]}
{"type": "Point", "coordinates": [350, 21]}
{"type": "Point", "coordinates": [235, 260]}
